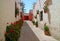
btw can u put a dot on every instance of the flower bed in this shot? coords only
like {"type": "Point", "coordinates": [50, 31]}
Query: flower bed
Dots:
{"type": "Point", "coordinates": [13, 31]}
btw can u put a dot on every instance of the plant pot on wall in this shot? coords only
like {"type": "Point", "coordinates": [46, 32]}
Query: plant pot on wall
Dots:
{"type": "Point", "coordinates": [45, 9]}
{"type": "Point", "coordinates": [36, 23]}
{"type": "Point", "coordinates": [37, 11]}
{"type": "Point", "coordinates": [33, 22]}
{"type": "Point", "coordinates": [46, 30]}
{"type": "Point", "coordinates": [47, 33]}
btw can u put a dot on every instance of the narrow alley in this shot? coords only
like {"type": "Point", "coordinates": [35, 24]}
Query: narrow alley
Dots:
{"type": "Point", "coordinates": [27, 34]}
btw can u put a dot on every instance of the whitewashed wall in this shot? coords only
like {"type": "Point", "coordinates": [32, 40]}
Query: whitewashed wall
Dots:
{"type": "Point", "coordinates": [18, 4]}
{"type": "Point", "coordinates": [38, 6]}
{"type": "Point", "coordinates": [19, 7]}
{"type": "Point", "coordinates": [7, 14]}
{"type": "Point", "coordinates": [55, 18]}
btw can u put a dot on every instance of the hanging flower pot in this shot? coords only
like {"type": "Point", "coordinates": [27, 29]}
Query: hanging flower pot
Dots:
{"type": "Point", "coordinates": [45, 9]}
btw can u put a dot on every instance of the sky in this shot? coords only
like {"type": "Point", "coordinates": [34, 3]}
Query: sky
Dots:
{"type": "Point", "coordinates": [28, 4]}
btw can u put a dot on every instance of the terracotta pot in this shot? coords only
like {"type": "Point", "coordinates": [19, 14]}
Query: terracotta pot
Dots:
{"type": "Point", "coordinates": [45, 11]}
{"type": "Point", "coordinates": [47, 33]}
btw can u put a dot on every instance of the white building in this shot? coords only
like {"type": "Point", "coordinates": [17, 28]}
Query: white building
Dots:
{"type": "Point", "coordinates": [7, 15]}
{"type": "Point", "coordinates": [52, 18]}
{"type": "Point", "coordinates": [38, 6]}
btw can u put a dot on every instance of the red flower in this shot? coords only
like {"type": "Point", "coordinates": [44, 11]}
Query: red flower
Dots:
{"type": "Point", "coordinates": [14, 23]}
{"type": "Point", "coordinates": [6, 33]}
{"type": "Point", "coordinates": [7, 23]}
{"type": "Point", "coordinates": [11, 23]}
{"type": "Point", "coordinates": [19, 19]}
{"type": "Point", "coordinates": [11, 30]}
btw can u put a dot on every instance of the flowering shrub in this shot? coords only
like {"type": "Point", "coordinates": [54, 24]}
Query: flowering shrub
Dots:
{"type": "Point", "coordinates": [13, 31]}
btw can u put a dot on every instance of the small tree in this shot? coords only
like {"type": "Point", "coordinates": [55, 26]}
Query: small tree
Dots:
{"type": "Point", "coordinates": [23, 6]}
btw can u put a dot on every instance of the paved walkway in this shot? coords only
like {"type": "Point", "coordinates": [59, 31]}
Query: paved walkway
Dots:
{"type": "Point", "coordinates": [27, 34]}
{"type": "Point", "coordinates": [40, 33]}
{"type": "Point", "coordinates": [30, 33]}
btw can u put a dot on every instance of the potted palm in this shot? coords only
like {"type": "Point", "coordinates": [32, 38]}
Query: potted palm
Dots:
{"type": "Point", "coordinates": [46, 30]}
{"type": "Point", "coordinates": [45, 9]}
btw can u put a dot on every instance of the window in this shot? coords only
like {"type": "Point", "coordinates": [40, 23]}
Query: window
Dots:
{"type": "Point", "coordinates": [41, 16]}
{"type": "Point", "coordinates": [16, 9]}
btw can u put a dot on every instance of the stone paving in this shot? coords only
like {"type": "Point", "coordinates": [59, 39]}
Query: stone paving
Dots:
{"type": "Point", "coordinates": [30, 33]}
{"type": "Point", "coordinates": [27, 34]}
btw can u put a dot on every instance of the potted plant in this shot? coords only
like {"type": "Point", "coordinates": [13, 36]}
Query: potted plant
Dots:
{"type": "Point", "coordinates": [46, 30]}
{"type": "Point", "coordinates": [36, 23]}
{"type": "Point", "coordinates": [33, 22]}
{"type": "Point", "coordinates": [45, 9]}
{"type": "Point", "coordinates": [37, 11]}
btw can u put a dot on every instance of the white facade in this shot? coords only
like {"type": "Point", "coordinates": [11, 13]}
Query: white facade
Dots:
{"type": "Point", "coordinates": [7, 15]}
{"type": "Point", "coordinates": [38, 6]}
{"type": "Point", "coordinates": [54, 10]}
{"type": "Point", "coordinates": [19, 7]}
{"type": "Point", "coordinates": [55, 18]}
{"type": "Point", "coordinates": [18, 4]}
